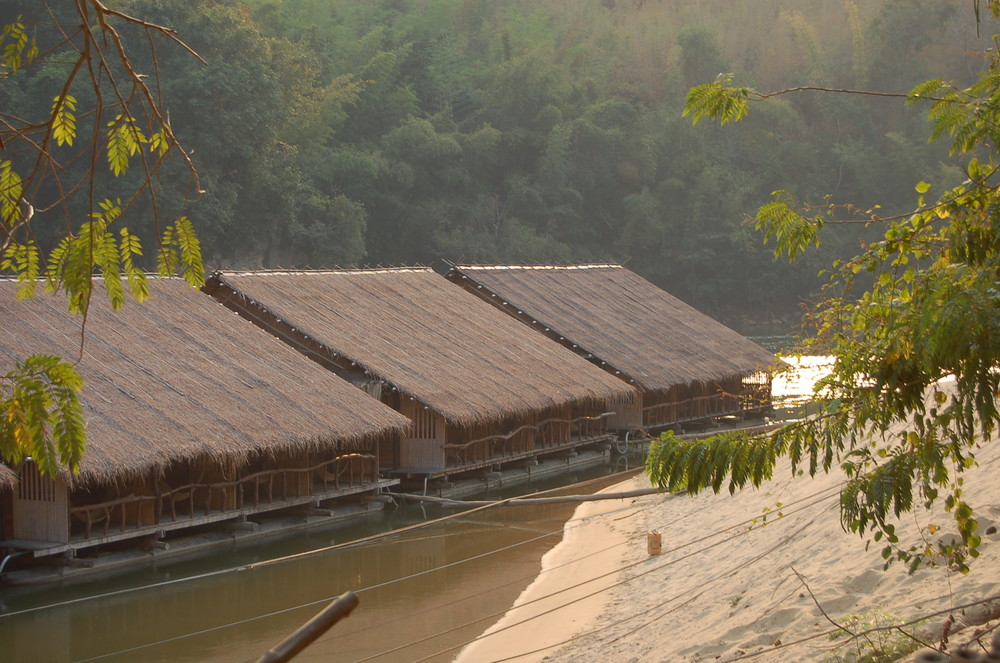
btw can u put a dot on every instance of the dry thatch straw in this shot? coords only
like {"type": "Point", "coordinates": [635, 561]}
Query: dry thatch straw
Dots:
{"type": "Point", "coordinates": [8, 480]}
{"type": "Point", "coordinates": [617, 316]}
{"type": "Point", "coordinates": [183, 379]}
{"type": "Point", "coordinates": [435, 342]}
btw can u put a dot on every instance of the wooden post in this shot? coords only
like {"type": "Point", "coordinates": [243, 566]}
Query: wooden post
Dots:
{"type": "Point", "coordinates": [288, 648]}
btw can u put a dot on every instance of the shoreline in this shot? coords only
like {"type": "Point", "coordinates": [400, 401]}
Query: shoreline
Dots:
{"type": "Point", "coordinates": [762, 574]}
{"type": "Point", "coordinates": [570, 592]}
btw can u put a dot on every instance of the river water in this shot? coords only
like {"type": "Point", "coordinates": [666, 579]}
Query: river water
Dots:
{"type": "Point", "coordinates": [423, 592]}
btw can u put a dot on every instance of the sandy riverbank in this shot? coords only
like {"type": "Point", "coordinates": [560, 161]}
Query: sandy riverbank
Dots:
{"type": "Point", "coordinates": [727, 588]}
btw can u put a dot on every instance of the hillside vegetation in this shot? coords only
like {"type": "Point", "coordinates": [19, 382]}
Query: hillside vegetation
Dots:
{"type": "Point", "coordinates": [344, 133]}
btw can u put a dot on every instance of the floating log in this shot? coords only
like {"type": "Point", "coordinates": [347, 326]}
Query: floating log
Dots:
{"type": "Point", "coordinates": [288, 648]}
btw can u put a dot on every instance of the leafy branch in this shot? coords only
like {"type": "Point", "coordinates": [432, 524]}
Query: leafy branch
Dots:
{"type": "Point", "coordinates": [40, 414]}
{"type": "Point", "coordinates": [720, 100]}
{"type": "Point", "coordinates": [916, 342]}
{"type": "Point", "coordinates": [102, 109]}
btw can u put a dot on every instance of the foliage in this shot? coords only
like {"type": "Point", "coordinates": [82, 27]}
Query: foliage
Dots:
{"type": "Point", "coordinates": [526, 130]}
{"type": "Point", "coordinates": [80, 102]}
{"type": "Point", "coordinates": [913, 323]}
{"type": "Point", "coordinates": [40, 414]}
{"type": "Point", "coordinates": [874, 637]}
{"type": "Point", "coordinates": [718, 100]}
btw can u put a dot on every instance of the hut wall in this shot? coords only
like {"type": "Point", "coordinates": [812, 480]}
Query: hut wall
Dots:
{"type": "Point", "coordinates": [388, 452]}
{"type": "Point", "coordinates": [423, 447]}
{"type": "Point", "coordinates": [559, 430]}
{"type": "Point", "coordinates": [41, 507]}
{"type": "Point", "coordinates": [210, 472]}
{"type": "Point", "coordinates": [628, 412]}
{"type": "Point", "coordinates": [144, 511]}
{"type": "Point", "coordinates": [665, 407]}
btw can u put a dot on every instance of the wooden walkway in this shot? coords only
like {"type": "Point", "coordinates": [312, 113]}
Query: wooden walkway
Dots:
{"type": "Point", "coordinates": [117, 523]}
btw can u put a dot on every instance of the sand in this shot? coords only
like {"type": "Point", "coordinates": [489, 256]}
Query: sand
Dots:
{"type": "Point", "coordinates": [762, 575]}
{"type": "Point", "coordinates": [572, 591]}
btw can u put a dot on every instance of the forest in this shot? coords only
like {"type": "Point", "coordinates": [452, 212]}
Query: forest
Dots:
{"type": "Point", "coordinates": [340, 133]}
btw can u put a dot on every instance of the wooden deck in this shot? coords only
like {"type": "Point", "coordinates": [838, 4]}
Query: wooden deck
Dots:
{"type": "Point", "coordinates": [117, 523]}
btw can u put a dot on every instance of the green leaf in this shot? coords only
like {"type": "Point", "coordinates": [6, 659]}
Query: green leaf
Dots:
{"type": "Point", "coordinates": [11, 190]}
{"type": "Point", "coordinates": [717, 100]}
{"type": "Point", "coordinates": [25, 261]}
{"type": "Point", "coordinates": [129, 246]}
{"type": "Point", "coordinates": [18, 48]}
{"type": "Point", "coordinates": [791, 232]}
{"type": "Point", "coordinates": [124, 140]}
{"type": "Point", "coordinates": [41, 415]}
{"type": "Point", "coordinates": [180, 253]}
{"type": "Point", "coordinates": [63, 119]}
{"type": "Point", "coordinates": [159, 142]}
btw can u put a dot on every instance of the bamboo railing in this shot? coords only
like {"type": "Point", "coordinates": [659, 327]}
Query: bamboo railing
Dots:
{"type": "Point", "coordinates": [545, 435]}
{"type": "Point", "coordinates": [702, 407]}
{"type": "Point", "coordinates": [198, 498]}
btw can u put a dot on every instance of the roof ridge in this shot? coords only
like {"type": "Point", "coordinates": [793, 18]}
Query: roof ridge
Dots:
{"type": "Point", "coordinates": [323, 272]}
{"type": "Point", "coordinates": [541, 267]}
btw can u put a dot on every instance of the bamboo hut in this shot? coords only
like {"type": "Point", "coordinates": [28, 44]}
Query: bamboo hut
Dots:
{"type": "Point", "coordinates": [479, 388]}
{"type": "Point", "coordinates": [193, 417]}
{"type": "Point", "coordinates": [687, 366]}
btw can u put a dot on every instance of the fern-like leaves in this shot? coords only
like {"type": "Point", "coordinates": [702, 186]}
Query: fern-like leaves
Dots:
{"type": "Point", "coordinates": [124, 140]}
{"type": "Point", "coordinates": [180, 253]}
{"type": "Point", "coordinates": [791, 231]}
{"type": "Point", "coordinates": [11, 190]}
{"type": "Point", "coordinates": [24, 261]}
{"type": "Point", "coordinates": [64, 119]}
{"type": "Point", "coordinates": [718, 100]}
{"type": "Point", "coordinates": [41, 415]}
{"type": "Point", "coordinates": [674, 464]}
{"type": "Point", "coordinates": [18, 47]}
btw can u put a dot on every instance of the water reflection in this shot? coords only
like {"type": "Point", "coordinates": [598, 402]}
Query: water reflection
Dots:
{"type": "Point", "coordinates": [795, 385]}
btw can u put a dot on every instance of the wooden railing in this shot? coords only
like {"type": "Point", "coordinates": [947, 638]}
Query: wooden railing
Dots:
{"type": "Point", "coordinates": [702, 407]}
{"type": "Point", "coordinates": [128, 512]}
{"type": "Point", "coordinates": [755, 397]}
{"type": "Point", "coordinates": [546, 434]}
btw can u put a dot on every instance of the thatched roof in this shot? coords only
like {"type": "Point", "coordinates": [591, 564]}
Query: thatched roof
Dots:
{"type": "Point", "coordinates": [182, 378]}
{"type": "Point", "coordinates": [8, 480]}
{"type": "Point", "coordinates": [435, 342]}
{"type": "Point", "coordinates": [620, 318]}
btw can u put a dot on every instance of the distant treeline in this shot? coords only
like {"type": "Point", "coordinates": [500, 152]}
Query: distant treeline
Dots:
{"type": "Point", "coordinates": [346, 133]}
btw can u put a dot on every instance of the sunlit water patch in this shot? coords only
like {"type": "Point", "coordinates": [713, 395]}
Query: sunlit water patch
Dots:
{"type": "Point", "coordinates": [794, 386]}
